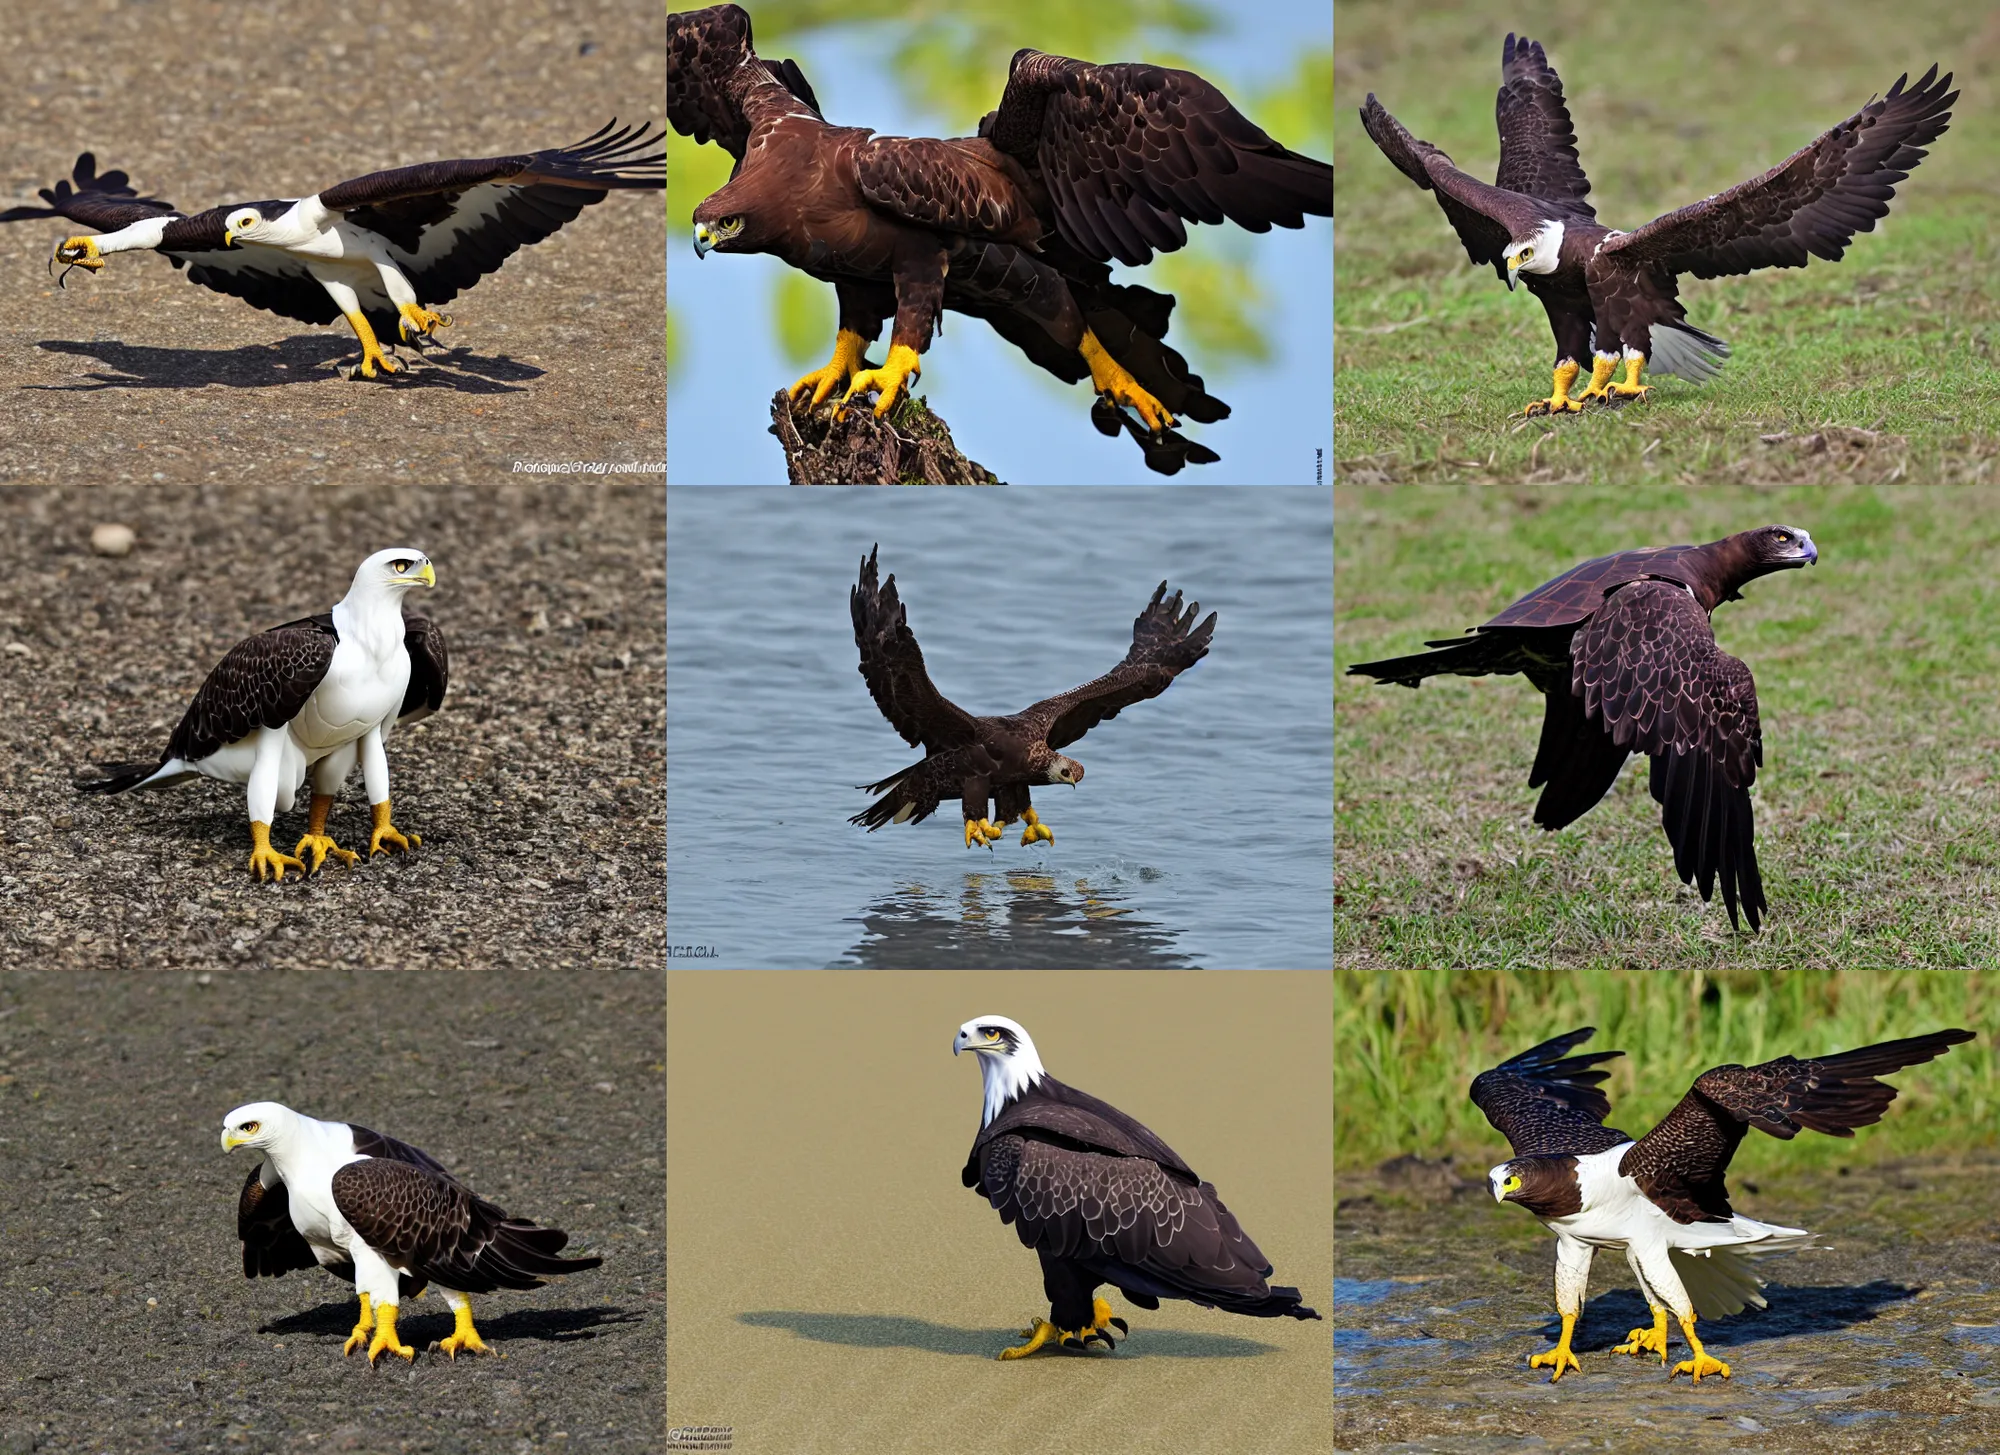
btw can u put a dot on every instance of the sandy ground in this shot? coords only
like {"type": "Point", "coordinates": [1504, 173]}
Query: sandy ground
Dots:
{"type": "Point", "coordinates": [833, 1287]}
{"type": "Point", "coordinates": [1886, 1336]}
{"type": "Point", "coordinates": [134, 373]}
{"type": "Point", "coordinates": [134, 1329]}
{"type": "Point", "coordinates": [537, 790]}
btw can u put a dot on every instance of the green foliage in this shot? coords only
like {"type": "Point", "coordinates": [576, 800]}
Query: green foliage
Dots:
{"type": "Point", "coordinates": [1408, 1044]}
{"type": "Point", "coordinates": [1879, 797]}
{"type": "Point", "coordinates": [806, 316]}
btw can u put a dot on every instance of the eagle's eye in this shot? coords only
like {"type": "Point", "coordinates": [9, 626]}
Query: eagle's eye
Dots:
{"type": "Point", "coordinates": [732, 224]}
{"type": "Point", "coordinates": [399, 567]}
{"type": "Point", "coordinates": [992, 1035]}
{"type": "Point", "coordinates": [1527, 253]}
{"type": "Point", "coordinates": [249, 1129]}
{"type": "Point", "coordinates": [1784, 538]}
{"type": "Point", "coordinates": [1512, 1184]}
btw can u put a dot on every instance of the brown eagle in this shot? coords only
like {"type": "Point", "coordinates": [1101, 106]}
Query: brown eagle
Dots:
{"type": "Point", "coordinates": [973, 758]}
{"type": "Point", "coordinates": [1622, 650]}
{"type": "Point", "coordinates": [1611, 294]}
{"type": "Point", "coordinates": [1080, 164]}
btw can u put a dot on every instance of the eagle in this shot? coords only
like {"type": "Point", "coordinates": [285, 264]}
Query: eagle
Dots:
{"type": "Point", "coordinates": [973, 758]}
{"type": "Point", "coordinates": [1662, 1198]}
{"type": "Point", "coordinates": [1101, 1200]}
{"type": "Point", "coordinates": [385, 1217]}
{"type": "Point", "coordinates": [1610, 294]}
{"type": "Point", "coordinates": [310, 697]}
{"type": "Point", "coordinates": [1623, 652]}
{"type": "Point", "coordinates": [379, 250]}
{"type": "Point", "coordinates": [1080, 165]}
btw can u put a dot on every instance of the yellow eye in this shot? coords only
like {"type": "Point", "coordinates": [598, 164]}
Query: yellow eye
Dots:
{"type": "Point", "coordinates": [1513, 1183]}
{"type": "Point", "coordinates": [1783, 538]}
{"type": "Point", "coordinates": [1527, 253]}
{"type": "Point", "coordinates": [250, 1128]}
{"type": "Point", "coordinates": [992, 1035]}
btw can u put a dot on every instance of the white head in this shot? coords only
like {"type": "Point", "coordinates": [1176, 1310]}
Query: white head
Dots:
{"type": "Point", "coordinates": [1538, 253]}
{"type": "Point", "coordinates": [274, 224]}
{"type": "Point", "coordinates": [260, 1126]}
{"type": "Point", "coordinates": [1008, 1063]}
{"type": "Point", "coordinates": [1065, 770]}
{"type": "Point", "coordinates": [394, 571]}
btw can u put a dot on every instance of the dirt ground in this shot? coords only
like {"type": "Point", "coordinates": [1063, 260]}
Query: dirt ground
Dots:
{"type": "Point", "coordinates": [1885, 1336]}
{"type": "Point", "coordinates": [537, 790]}
{"type": "Point", "coordinates": [134, 1329]}
{"type": "Point", "coordinates": [134, 373]}
{"type": "Point", "coordinates": [833, 1287]}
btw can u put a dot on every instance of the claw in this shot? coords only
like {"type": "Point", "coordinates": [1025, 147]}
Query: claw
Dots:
{"type": "Point", "coordinates": [75, 252]}
{"type": "Point", "coordinates": [385, 833]}
{"type": "Point", "coordinates": [1114, 382]}
{"type": "Point", "coordinates": [890, 380]}
{"type": "Point", "coordinates": [266, 860]}
{"type": "Point", "coordinates": [848, 359]}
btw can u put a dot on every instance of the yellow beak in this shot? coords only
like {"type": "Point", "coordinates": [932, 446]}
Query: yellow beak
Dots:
{"type": "Point", "coordinates": [427, 575]}
{"type": "Point", "coordinates": [230, 1141]}
{"type": "Point", "coordinates": [228, 238]}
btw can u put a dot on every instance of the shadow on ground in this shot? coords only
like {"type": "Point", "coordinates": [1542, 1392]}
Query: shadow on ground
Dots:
{"type": "Point", "coordinates": [549, 1325]}
{"type": "Point", "coordinates": [891, 1331]}
{"type": "Point", "coordinates": [301, 359]}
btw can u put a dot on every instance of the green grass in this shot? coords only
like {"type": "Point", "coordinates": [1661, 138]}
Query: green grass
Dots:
{"type": "Point", "coordinates": [1880, 367]}
{"type": "Point", "coordinates": [1409, 1043]}
{"type": "Point", "coordinates": [1878, 803]}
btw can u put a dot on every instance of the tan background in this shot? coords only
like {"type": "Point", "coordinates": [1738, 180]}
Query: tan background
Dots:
{"type": "Point", "coordinates": [831, 1286]}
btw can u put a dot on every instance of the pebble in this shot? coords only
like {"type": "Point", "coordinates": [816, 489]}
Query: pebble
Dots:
{"type": "Point", "coordinates": [112, 540]}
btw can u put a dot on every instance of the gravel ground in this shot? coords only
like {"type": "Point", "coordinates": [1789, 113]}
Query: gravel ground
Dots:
{"type": "Point", "coordinates": [538, 789]}
{"type": "Point", "coordinates": [134, 373]}
{"type": "Point", "coordinates": [134, 1327]}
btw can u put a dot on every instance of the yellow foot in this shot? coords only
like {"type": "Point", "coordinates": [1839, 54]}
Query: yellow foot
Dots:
{"type": "Point", "coordinates": [385, 833]}
{"type": "Point", "coordinates": [981, 831]}
{"type": "Point", "coordinates": [1558, 401]}
{"type": "Point", "coordinates": [372, 356]}
{"type": "Point", "coordinates": [1101, 1320]}
{"type": "Point", "coordinates": [1112, 381]}
{"type": "Point", "coordinates": [1038, 832]}
{"type": "Point", "coordinates": [1647, 1341]}
{"type": "Point", "coordinates": [848, 348]}
{"type": "Point", "coordinates": [418, 321]}
{"type": "Point", "coordinates": [265, 859]}
{"type": "Point", "coordinates": [1594, 393]}
{"type": "Point", "coordinates": [464, 1336]}
{"type": "Point", "coordinates": [322, 845]}
{"type": "Point", "coordinates": [362, 1327]}
{"type": "Point", "coordinates": [1561, 1357]}
{"type": "Point", "coordinates": [891, 379]}
{"type": "Point", "coordinates": [385, 1337]}
{"type": "Point", "coordinates": [1631, 388]}
{"type": "Point", "coordinates": [1043, 1332]}
{"type": "Point", "coordinates": [1699, 1365]}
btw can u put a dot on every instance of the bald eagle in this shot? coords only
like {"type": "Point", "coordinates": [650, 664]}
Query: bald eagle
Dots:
{"type": "Point", "coordinates": [383, 1215]}
{"type": "Point", "coordinates": [311, 697]}
{"type": "Point", "coordinates": [377, 250]}
{"type": "Point", "coordinates": [1101, 1200]}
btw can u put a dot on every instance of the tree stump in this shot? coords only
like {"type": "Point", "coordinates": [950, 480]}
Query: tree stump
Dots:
{"type": "Point", "coordinates": [910, 446]}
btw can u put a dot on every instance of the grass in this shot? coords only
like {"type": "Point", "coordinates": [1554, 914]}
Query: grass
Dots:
{"type": "Point", "coordinates": [1878, 803]}
{"type": "Point", "coordinates": [1409, 1044]}
{"type": "Point", "coordinates": [1879, 367]}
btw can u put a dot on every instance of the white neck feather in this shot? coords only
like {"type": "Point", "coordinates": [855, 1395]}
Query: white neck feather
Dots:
{"type": "Point", "coordinates": [1006, 1077]}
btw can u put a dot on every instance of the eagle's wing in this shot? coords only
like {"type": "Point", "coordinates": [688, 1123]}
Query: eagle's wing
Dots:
{"type": "Point", "coordinates": [272, 1246]}
{"type": "Point", "coordinates": [1809, 205]}
{"type": "Point", "coordinates": [430, 668]}
{"type": "Point", "coordinates": [1537, 140]}
{"type": "Point", "coordinates": [1165, 643]}
{"type": "Point", "coordinates": [1485, 217]}
{"type": "Point", "coordinates": [1546, 1102]}
{"type": "Point", "coordinates": [1647, 668]}
{"type": "Point", "coordinates": [434, 1228]}
{"type": "Point", "coordinates": [262, 682]}
{"type": "Point", "coordinates": [101, 203]}
{"type": "Point", "coordinates": [278, 282]}
{"type": "Point", "coordinates": [965, 184]}
{"type": "Point", "coordinates": [1679, 1163]}
{"type": "Point", "coordinates": [893, 666]}
{"type": "Point", "coordinates": [371, 1143]}
{"type": "Point", "coordinates": [718, 87]}
{"type": "Point", "coordinates": [1129, 151]}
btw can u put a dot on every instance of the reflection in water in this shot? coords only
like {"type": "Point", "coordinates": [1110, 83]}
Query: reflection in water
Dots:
{"type": "Point", "coordinates": [1017, 921]}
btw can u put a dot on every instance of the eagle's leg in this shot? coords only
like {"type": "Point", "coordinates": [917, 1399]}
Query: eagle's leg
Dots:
{"type": "Point", "coordinates": [385, 1335]}
{"type": "Point", "coordinates": [76, 252]}
{"type": "Point", "coordinates": [1647, 1341]}
{"type": "Point", "coordinates": [1602, 367]}
{"type": "Point", "coordinates": [1562, 1356]}
{"type": "Point", "coordinates": [385, 833]}
{"type": "Point", "coordinates": [1043, 1332]}
{"type": "Point", "coordinates": [1038, 832]}
{"type": "Point", "coordinates": [1558, 401]}
{"type": "Point", "coordinates": [417, 322]}
{"type": "Point", "coordinates": [1111, 380]}
{"type": "Point", "coordinates": [1703, 1362]}
{"type": "Point", "coordinates": [982, 831]}
{"type": "Point", "coordinates": [848, 359]}
{"type": "Point", "coordinates": [318, 840]}
{"type": "Point", "coordinates": [265, 859]}
{"type": "Point", "coordinates": [891, 379]}
{"type": "Point", "coordinates": [463, 1335]}
{"type": "Point", "coordinates": [1631, 388]}
{"type": "Point", "coordinates": [1101, 1322]}
{"type": "Point", "coordinates": [363, 1326]}
{"type": "Point", "coordinates": [372, 356]}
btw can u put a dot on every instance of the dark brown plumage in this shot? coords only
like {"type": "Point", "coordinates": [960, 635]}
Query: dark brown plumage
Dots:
{"type": "Point", "coordinates": [971, 758]}
{"type": "Point", "coordinates": [1547, 1101]}
{"type": "Point", "coordinates": [272, 1245]}
{"type": "Point", "coordinates": [1623, 651]}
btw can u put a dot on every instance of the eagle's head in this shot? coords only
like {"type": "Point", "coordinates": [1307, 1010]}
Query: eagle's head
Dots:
{"type": "Point", "coordinates": [1783, 548]}
{"type": "Point", "coordinates": [397, 569]}
{"type": "Point", "coordinates": [259, 1125]}
{"type": "Point", "coordinates": [1545, 1186]}
{"type": "Point", "coordinates": [1008, 1063]}
{"type": "Point", "coordinates": [724, 223]}
{"type": "Point", "coordinates": [1065, 770]}
{"type": "Point", "coordinates": [244, 224]}
{"type": "Point", "coordinates": [1539, 252]}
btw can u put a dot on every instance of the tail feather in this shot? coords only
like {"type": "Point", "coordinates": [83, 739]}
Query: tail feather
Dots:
{"type": "Point", "coordinates": [893, 801]}
{"type": "Point", "coordinates": [118, 777]}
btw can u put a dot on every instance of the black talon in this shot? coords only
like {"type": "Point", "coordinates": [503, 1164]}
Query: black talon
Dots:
{"type": "Point", "coordinates": [1070, 1341]}
{"type": "Point", "coordinates": [1100, 1334]}
{"type": "Point", "coordinates": [1122, 1327]}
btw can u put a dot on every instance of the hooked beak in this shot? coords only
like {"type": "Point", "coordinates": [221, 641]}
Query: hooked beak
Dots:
{"type": "Point", "coordinates": [703, 239]}
{"type": "Point", "coordinates": [228, 237]}
{"type": "Point", "coordinates": [427, 575]}
{"type": "Point", "coordinates": [1513, 268]}
{"type": "Point", "coordinates": [230, 1141]}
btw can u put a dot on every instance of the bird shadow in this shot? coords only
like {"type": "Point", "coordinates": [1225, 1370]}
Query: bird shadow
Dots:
{"type": "Point", "coordinates": [549, 1326]}
{"type": "Point", "coordinates": [302, 359]}
{"type": "Point", "coordinates": [1794, 1312]}
{"type": "Point", "coordinates": [894, 1331]}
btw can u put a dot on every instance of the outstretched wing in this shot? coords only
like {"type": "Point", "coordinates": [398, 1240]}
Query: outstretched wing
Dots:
{"type": "Point", "coordinates": [1679, 1163]}
{"type": "Point", "coordinates": [1165, 643]}
{"type": "Point", "coordinates": [1130, 151]}
{"type": "Point", "coordinates": [718, 88]}
{"type": "Point", "coordinates": [1648, 670]}
{"type": "Point", "coordinates": [1486, 218]}
{"type": "Point", "coordinates": [102, 204]}
{"type": "Point", "coordinates": [1545, 1102]}
{"type": "Point", "coordinates": [1537, 140]}
{"type": "Point", "coordinates": [893, 667]}
{"type": "Point", "coordinates": [1809, 205]}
